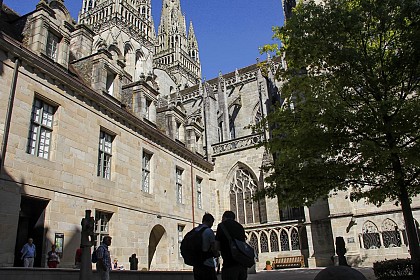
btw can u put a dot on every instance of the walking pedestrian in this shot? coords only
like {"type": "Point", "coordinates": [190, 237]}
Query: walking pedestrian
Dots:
{"type": "Point", "coordinates": [28, 253]}
{"type": "Point", "coordinates": [104, 265]}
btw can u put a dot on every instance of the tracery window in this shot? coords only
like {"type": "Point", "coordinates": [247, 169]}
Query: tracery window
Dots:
{"type": "Point", "coordinates": [274, 242]}
{"type": "Point", "coordinates": [264, 242]}
{"type": "Point", "coordinates": [370, 236]}
{"type": "Point", "coordinates": [390, 234]}
{"type": "Point", "coordinates": [284, 240]}
{"type": "Point", "coordinates": [258, 115]}
{"type": "Point", "coordinates": [242, 187]}
{"type": "Point", "coordinates": [294, 239]}
{"type": "Point", "coordinates": [253, 242]}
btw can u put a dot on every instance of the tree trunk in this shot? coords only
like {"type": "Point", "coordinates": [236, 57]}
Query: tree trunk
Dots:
{"type": "Point", "coordinates": [413, 240]}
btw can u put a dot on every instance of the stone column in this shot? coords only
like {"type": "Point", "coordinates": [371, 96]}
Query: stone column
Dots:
{"type": "Point", "coordinates": [87, 238]}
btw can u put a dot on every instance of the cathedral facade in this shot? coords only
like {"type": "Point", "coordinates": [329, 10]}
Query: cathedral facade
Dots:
{"type": "Point", "coordinates": [107, 115]}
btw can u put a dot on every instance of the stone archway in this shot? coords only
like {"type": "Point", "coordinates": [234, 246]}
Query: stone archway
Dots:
{"type": "Point", "coordinates": [158, 248]}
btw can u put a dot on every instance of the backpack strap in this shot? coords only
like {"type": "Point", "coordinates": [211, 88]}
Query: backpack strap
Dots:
{"type": "Point", "coordinates": [226, 232]}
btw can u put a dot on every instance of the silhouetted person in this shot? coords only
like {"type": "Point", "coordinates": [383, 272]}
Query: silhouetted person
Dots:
{"type": "Point", "coordinates": [340, 249]}
{"type": "Point", "coordinates": [231, 270]}
{"type": "Point", "coordinates": [134, 262]}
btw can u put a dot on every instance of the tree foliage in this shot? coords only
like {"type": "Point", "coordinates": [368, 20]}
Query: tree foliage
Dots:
{"type": "Point", "coordinates": [350, 119]}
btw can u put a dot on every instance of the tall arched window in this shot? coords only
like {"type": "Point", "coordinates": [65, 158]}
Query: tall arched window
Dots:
{"type": "Point", "coordinates": [253, 242]}
{"type": "Point", "coordinates": [294, 238]}
{"type": "Point", "coordinates": [390, 234]}
{"type": "Point", "coordinates": [264, 242]}
{"type": "Point", "coordinates": [274, 242]}
{"type": "Point", "coordinates": [242, 187]}
{"type": "Point", "coordinates": [370, 235]}
{"type": "Point", "coordinates": [284, 240]}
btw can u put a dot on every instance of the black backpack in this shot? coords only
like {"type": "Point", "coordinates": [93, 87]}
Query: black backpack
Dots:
{"type": "Point", "coordinates": [191, 247]}
{"type": "Point", "coordinates": [94, 255]}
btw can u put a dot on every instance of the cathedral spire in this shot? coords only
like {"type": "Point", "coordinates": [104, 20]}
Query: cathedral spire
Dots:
{"type": "Point", "coordinates": [176, 52]}
{"type": "Point", "coordinates": [192, 44]}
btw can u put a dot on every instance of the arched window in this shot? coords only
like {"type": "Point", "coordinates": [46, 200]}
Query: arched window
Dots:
{"type": "Point", "coordinates": [284, 240]}
{"type": "Point", "coordinates": [253, 242]}
{"type": "Point", "coordinates": [390, 234]}
{"type": "Point", "coordinates": [294, 238]}
{"type": "Point", "coordinates": [274, 242]}
{"type": "Point", "coordinates": [370, 235]}
{"type": "Point", "coordinates": [242, 187]}
{"type": "Point", "coordinates": [264, 242]}
{"type": "Point", "coordinates": [258, 114]}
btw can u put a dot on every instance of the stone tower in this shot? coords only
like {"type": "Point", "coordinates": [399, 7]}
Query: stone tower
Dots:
{"type": "Point", "coordinates": [176, 51]}
{"type": "Point", "coordinates": [124, 27]}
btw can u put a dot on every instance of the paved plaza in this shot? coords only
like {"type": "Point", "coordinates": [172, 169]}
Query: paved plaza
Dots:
{"type": "Point", "coordinates": [299, 274]}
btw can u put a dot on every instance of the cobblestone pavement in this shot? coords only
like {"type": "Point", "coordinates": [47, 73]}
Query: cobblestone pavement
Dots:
{"type": "Point", "coordinates": [299, 274]}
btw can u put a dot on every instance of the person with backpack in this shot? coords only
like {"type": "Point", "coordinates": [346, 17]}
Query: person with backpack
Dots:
{"type": "Point", "coordinates": [103, 262]}
{"type": "Point", "coordinates": [231, 269]}
{"type": "Point", "coordinates": [198, 249]}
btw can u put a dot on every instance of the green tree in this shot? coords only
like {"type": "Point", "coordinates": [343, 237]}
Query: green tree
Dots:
{"type": "Point", "coordinates": [350, 119]}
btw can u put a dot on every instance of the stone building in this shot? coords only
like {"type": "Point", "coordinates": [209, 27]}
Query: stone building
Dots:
{"type": "Point", "coordinates": [108, 116]}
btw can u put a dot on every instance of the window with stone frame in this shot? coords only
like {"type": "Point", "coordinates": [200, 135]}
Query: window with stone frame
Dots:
{"type": "Point", "coordinates": [110, 81]}
{"type": "Point", "coordinates": [243, 186]}
{"type": "Point", "coordinates": [198, 182]}
{"type": "Point", "coordinates": [101, 225]}
{"type": "Point", "coordinates": [148, 105]}
{"type": "Point", "coordinates": [41, 129]}
{"type": "Point", "coordinates": [390, 234]}
{"type": "Point", "coordinates": [180, 237]}
{"type": "Point", "coordinates": [294, 239]}
{"type": "Point", "coordinates": [258, 115]}
{"type": "Point", "coordinates": [274, 241]}
{"type": "Point", "coordinates": [370, 235]}
{"type": "Point", "coordinates": [264, 243]}
{"type": "Point", "coordinates": [178, 177]}
{"type": "Point", "coordinates": [284, 240]}
{"type": "Point", "coordinates": [105, 155]}
{"type": "Point", "coordinates": [52, 46]}
{"type": "Point", "coordinates": [253, 242]}
{"type": "Point", "coordinates": [146, 172]}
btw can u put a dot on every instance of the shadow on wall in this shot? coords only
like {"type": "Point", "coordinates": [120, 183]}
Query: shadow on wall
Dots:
{"type": "Point", "coordinates": [22, 216]}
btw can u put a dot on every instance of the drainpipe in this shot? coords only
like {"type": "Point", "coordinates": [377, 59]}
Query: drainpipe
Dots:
{"type": "Point", "coordinates": [9, 114]}
{"type": "Point", "coordinates": [192, 194]}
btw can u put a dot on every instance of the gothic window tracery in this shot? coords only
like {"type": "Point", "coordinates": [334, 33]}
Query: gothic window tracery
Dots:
{"type": "Point", "coordinates": [390, 234]}
{"type": "Point", "coordinates": [242, 187]}
{"type": "Point", "coordinates": [370, 236]}
{"type": "Point", "coordinates": [294, 239]}
{"type": "Point", "coordinates": [284, 240]}
{"type": "Point", "coordinates": [274, 242]}
{"type": "Point", "coordinates": [264, 243]}
{"type": "Point", "coordinates": [253, 242]}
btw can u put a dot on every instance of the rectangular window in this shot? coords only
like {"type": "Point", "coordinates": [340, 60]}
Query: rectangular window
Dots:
{"type": "Point", "coordinates": [110, 83]}
{"type": "Point", "coordinates": [198, 182]}
{"type": "Point", "coordinates": [52, 46]}
{"type": "Point", "coordinates": [41, 129]}
{"type": "Point", "coordinates": [105, 154]}
{"type": "Point", "coordinates": [145, 185]}
{"type": "Point", "coordinates": [179, 184]}
{"type": "Point", "coordinates": [178, 131]}
{"type": "Point", "coordinates": [101, 225]}
{"type": "Point", "coordinates": [180, 237]}
{"type": "Point", "coordinates": [147, 109]}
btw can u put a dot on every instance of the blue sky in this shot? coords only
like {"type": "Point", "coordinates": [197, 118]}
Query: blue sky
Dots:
{"type": "Point", "coordinates": [229, 32]}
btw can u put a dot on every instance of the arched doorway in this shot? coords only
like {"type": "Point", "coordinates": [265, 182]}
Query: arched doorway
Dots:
{"type": "Point", "coordinates": [158, 248]}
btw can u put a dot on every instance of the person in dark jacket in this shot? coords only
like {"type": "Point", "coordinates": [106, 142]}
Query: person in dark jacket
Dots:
{"type": "Point", "coordinates": [231, 270]}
